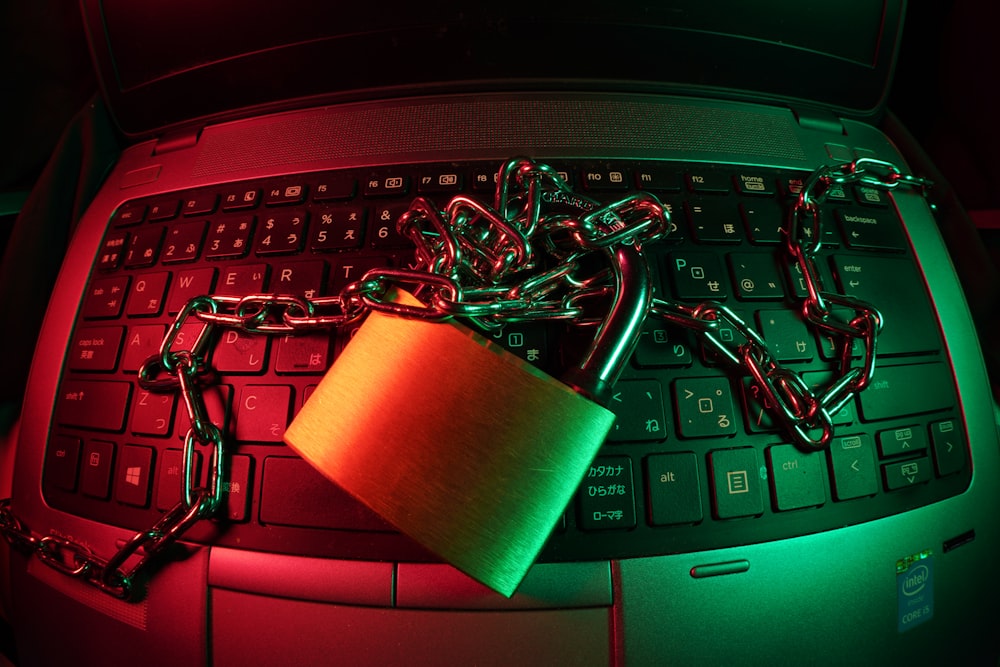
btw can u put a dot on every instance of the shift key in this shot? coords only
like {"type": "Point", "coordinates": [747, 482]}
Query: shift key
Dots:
{"type": "Point", "coordinates": [896, 391]}
{"type": "Point", "coordinates": [93, 404]}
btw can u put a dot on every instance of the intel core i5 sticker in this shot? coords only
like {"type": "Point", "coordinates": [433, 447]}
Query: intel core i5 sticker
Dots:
{"type": "Point", "coordinates": [915, 590]}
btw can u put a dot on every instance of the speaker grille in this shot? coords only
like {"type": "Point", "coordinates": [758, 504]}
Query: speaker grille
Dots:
{"type": "Point", "coordinates": [607, 127]}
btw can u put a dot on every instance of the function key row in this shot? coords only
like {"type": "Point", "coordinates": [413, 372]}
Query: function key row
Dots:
{"type": "Point", "coordinates": [433, 179]}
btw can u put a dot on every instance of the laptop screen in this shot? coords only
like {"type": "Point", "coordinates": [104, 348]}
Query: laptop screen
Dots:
{"type": "Point", "coordinates": [167, 65]}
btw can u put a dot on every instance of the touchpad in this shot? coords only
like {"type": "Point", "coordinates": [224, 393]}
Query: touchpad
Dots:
{"type": "Point", "coordinates": [252, 629]}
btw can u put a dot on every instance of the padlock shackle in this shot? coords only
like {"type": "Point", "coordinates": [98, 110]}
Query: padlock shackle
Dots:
{"type": "Point", "coordinates": [617, 336]}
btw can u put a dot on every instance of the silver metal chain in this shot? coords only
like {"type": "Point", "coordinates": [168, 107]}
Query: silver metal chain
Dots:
{"type": "Point", "coordinates": [528, 257]}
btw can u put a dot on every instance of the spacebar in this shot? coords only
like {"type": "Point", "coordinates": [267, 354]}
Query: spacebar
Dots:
{"type": "Point", "coordinates": [294, 494]}
{"type": "Point", "coordinates": [896, 391]}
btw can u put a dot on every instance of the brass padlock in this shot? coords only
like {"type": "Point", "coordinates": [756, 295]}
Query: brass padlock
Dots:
{"type": "Point", "coordinates": [460, 444]}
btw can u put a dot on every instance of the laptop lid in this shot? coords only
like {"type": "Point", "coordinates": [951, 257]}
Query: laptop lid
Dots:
{"type": "Point", "coordinates": [165, 64]}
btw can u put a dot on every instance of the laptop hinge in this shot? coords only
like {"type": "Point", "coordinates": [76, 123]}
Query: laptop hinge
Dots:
{"type": "Point", "coordinates": [818, 119]}
{"type": "Point", "coordinates": [176, 141]}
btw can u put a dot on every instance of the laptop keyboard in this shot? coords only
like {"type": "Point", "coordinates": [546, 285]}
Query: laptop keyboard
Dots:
{"type": "Point", "coordinates": [694, 460]}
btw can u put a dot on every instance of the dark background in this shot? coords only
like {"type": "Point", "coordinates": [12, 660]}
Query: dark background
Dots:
{"type": "Point", "coordinates": [947, 89]}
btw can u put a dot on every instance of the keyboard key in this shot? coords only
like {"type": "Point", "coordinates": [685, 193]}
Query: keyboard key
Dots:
{"type": "Point", "coordinates": [62, 462]}
{"type": "Point", "coordinates": [293, 493]}
{"type": "Point", "coordinates": [764, 220]}
{"type": "Point", "coordinates": [95, 349]}
{"type": "Point", "coordinates": [894, 286]}
{"type": "Point", "coordinates": [333, 186]}
{"type": "Point", "coordinates": [144, 247]}
{"type": "Point", "coordinates": [202, 203]}
{"type": "Point", "coordinates": [758, 408]}
{"type": "Point", "coordinates": [871, 230]}
{"type": "Point", "coordinates": [906, 474]}
{"type": "Point", "coordinates": [907, 390]}
{"type": "Point", "coordinates": [852, 461]}
{"type": "Point", "coordinates": [241, 352]}
{"type": "Point", "coordinates": [440, 181]}
{"type": "Point", "coordinates": [349, 269]}
{"type": "Point", "coordinates": [696, 276]}
{"type": "Point", "coordinates": [786, 335]}
{"type": "Point", "coordinates": [638, 404]}
{"type": "Point", "coordinates": [96, 465]}
{"type": "Point", "coordinates": [153, 413]}
{"type": "Point", "coordinates": [236, 488]}
{"type": "Point", "coordinates": [262, 413]}
{"type": "Point", "coordinates": [309, 353]}
{"type": "Point", "coordinates": [166, 208]}
{"type": "Point", "coordinates": [242, 279]}
{"type": "Point", "coordinates": [900, 441]}
{"type": "Point", "coordinates": [706, 181]}
{"type": "Point", "coordinates": [229, 237]}
{"type": "Point", "coordinates": [285, 195]}
{"type": "Point", "coordinates": [382, 232]}
{"type": "Point", "coordinates": [604, 178]}
{"type": "Point", "coordinates": [112, 252]}
{"type": "Point", "coordinates": [170, 484]}
{"type": "Point", "coordinates": [93, 404]}
{"type": "Point", "coordinates": [674, 489]}
{"type": "Point", "coordinates": [714, 221]}
{"type": "Point", "coordinates": [819, 381]}
{"type": "Point", "coordinates": [134, 475]}
{"type": "Point", "coordinates": [106, 298]}
{"type": "Point", "coordinates": [300, 278]}
{"type": "Point", "coordinates": [658, 179]}
{"type": "Point", "coordinates": [950, 446]}
{"type": "Point", "coordinates": [662, 346]}
{"type": "Point", "coordinates": [391, 185]}
{"type": "Point", "coordinates": [484, 180]}
{"type": "Point", "coordinates": [797, 479]}
{"type": "Point", "coordinates": [141, 342]}
{"type": "Point", "coordinates": [188, 284]}
{"type": "Point", "coordinates": [704, 407]}
{"type": "Point", "coordinates": [791, 186]}
{"type": "Point", "coordinates": [528, 341]}
{"type": "Point", "coordinates": [338, 228]}
{"type": "Point", "coordinates": [281, 233]}
{"type": "Point", "coordinates": [240, 199]}
{"type": "Point", "coordinates": [736, 482]}
{"type": "Point", "coordinates": [868, 196]}
{"type": "Point", "coordinates": [749, 183]}
{"type": "Point", "coordinates": [183, 243]}
{"type": "Point", "coordinates": [129, 213]}
{"type": "Point", "coordinates": [607, 496]}
{"type": "Point", "coordinates": [755, 277]}
{"type": "Point", "coordinates": [146, 297]}
{"type": "Point", "coordinates": [217, 399]}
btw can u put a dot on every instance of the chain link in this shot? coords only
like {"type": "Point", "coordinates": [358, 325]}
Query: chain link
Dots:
{"type": "Point", "coordinates": [529, 257]}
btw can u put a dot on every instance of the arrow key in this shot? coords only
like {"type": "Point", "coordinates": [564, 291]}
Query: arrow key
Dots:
{"type": "Point", "coordinates": [852, 461]}
{"type": "Point", "coordinates": [905, 474]}
{"type": "Point", "coordinates": [950, 447]}
{"type": "Point", "coordinates": [896, 441]}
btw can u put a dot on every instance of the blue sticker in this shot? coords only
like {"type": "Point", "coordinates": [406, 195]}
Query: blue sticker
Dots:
{"type": "Point", "coordinates": [915, 590]}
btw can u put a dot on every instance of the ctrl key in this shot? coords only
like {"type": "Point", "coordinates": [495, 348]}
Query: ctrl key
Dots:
{"type": "Point", "coordinates": [62, 462]}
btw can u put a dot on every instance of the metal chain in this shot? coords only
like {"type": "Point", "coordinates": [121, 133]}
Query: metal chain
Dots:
{"type": "Point", "coordinates": [805, 412]}
{"type": "Point", "coordinates": [529, 257]}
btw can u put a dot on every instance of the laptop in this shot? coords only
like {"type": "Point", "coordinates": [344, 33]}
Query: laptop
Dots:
{"type": "Point", "coordinates": [701, 534]}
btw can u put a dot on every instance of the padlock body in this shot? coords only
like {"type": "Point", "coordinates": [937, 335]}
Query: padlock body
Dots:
{"type": "Point", "coordinates": [460, 444]}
